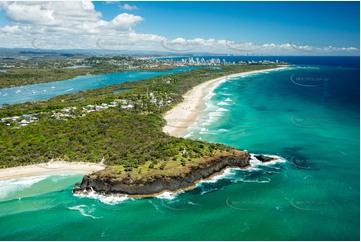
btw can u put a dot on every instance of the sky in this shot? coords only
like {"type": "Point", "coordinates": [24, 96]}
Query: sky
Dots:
{"type": "Point", "coordinates": [270, 28]}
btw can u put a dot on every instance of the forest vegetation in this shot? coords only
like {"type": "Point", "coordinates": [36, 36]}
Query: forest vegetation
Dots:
{"type": "Point", "coordinates": [129, 141]}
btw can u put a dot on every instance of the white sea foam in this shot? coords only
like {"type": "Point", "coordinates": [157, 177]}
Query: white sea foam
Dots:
{"type": "Point", "coordinates": [255, 166]}
{"type": "Point", "coordinates": [209, 96]}
{"type": "Point", "coordinates": [155, 206]}
{"type": "Point", "coordinates": [204, 191]}
{"type": "Point", "coordinates": [206, 131]}
{"type": "Point", "coordinates": [60, 177]}
{"type": "Point", "coordinates": [222, 110]}
{"type": "Point", "coordinates": [85, 211]}
{"type": "Point", "coordinates": [212, 111]}
{"type": "Point", "coordinates": [227, 173]}
{"type": "Point", "coordinates": [256, 163]}
{"type": "Point", "coordinates": [188, 135]}
{"type": "Point", "coordinates": [208, 122]}
{"type": "Point", "coordinates": [13, 185]}
{"type": "Point", "coordinates": [258, 180]}
{"type": "Point", "coordinates": [110, 200]}
{"type": "Point", "coordinates": [216, 114]}
{"type": "Point", "coordinates": [223, 104]}
{"type": "Point", "coordinates": [168, 195]}
{"type": "Point", "coordinates": [210, 106]}
{"type": "Point", "coordinates": [211, 90]}
{"type": "Point", "coordinates": [224, 94]}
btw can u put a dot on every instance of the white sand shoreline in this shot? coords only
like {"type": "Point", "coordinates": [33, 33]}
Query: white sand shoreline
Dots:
{"type": "Point", "coordinates": [50, 168]}
{"type": "Point", "coordinates": [186, 113]}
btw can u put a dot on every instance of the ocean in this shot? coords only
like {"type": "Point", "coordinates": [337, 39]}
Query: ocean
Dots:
{"type": "Point", "coordinates": [308, 114]}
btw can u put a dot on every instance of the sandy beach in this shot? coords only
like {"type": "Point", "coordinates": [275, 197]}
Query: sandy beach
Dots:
{"type": "Point", "coordinates": [50, 168]}
{"type": "Point", "coordinates": [186, 113]}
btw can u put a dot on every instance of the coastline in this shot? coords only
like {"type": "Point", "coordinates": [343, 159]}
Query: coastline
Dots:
{"type": "Point", "coordinates": [161, 194]}
{"type": "Point", "coordinates": [50, 168]}
{"type": "Point", "coordinates": [178, 120]}
{"type": "Point", "coordinates": [180, 190]}
{"type": "Point", "coordinates": [184, 114]}
{"type": "Point", "coordinates": [106, 183]}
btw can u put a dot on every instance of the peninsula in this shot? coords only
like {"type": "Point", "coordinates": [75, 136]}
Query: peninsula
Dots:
{"type": "Point", "coordinates": [131, 133]}
{"type": "Point", "coordinates": [177, 176]}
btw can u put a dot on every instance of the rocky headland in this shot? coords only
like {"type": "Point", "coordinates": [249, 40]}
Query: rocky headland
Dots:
{"type": "Point", "coordinates": [106, 182]}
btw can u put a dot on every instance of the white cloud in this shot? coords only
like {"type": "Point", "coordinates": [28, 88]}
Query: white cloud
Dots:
{"type": "Point", "coordinates": [63, 18]}
{"type": "Point", "coordinates": [128, 7]}
{"type": "Point", "coordinates": [30, 14]}
{"type": "Point", "coordinates": [111, 2]}
{"type": "Point", "coordinates": [125, 21]}
{"type": "Point", "coordinates": [77, 25]}
{"type": "Point", "coordinates": [11, 29]}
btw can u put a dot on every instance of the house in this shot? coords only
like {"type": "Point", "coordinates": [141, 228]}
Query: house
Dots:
{"type": "Point", "coordinates": [129, 106]}
{"type": "Point", "coordinates": [24, 122]}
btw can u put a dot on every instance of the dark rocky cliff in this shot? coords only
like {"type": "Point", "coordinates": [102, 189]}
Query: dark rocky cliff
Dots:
{"type": "Point", "coordinates": [104, 183]}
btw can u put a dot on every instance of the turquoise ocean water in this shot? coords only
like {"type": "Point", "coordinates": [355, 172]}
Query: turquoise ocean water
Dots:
{"type": "Point", "coordinates": [309, 116]}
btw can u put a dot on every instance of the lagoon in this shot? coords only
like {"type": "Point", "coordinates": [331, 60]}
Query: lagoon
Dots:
{"type": "Point", "coordinates": [43, 91]}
